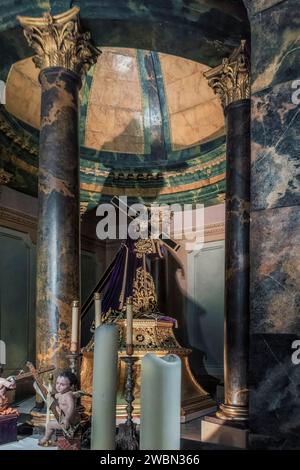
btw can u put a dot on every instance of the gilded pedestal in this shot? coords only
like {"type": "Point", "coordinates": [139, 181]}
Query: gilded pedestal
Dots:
{"type": "Point", "coordinates": [149, 336]}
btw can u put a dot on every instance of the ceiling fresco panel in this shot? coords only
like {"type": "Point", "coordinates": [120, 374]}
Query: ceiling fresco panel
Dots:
{"type": "Point", "coordinates": [115, 116]}
{"type": "Point", "coordinates": [23, 95]}
{"type": "Point", "coordinates": [200, 123]}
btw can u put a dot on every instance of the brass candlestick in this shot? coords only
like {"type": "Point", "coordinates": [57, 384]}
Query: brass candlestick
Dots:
{"type": "Point", "coordinates": [74, 359]}
{"type": "Point", "coordinates": [127, 437]}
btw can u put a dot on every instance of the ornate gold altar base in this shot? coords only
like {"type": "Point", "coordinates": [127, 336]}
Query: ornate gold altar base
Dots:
{"type": "Point", "coordinates": [149, 336]}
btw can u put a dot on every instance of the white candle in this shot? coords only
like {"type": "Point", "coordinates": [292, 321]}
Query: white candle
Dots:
{"type": "Point", "coordinates": [98, 301]}
{"type": "Point", "coordinates": [75, 329]}
{"type": "Point", "coordinates": [129, 322]}
{"type": "Point", "coordinates": [105, 388]}
{"type": "Point", "coordinates": [2, 353]}
{"type": "Point", "coordinates": [160, 402]}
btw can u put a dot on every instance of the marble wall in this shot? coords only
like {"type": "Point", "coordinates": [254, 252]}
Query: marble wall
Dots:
{"type": "Point", "coordinates": [275, 225]}
{"type": "Point", "coordinates": [17, 298]}
{"type": "Point", "coordinates": [193, 293]}
{"type": "Point", "coordinates": [205, 308]}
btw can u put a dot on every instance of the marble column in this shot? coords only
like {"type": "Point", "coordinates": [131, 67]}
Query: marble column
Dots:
{"type": "Point", "coordinates": [230, 81]}
{"type": "Point", "coordinates": [64, 54]}
{"type": "Point", "coordinates": [275, 224]}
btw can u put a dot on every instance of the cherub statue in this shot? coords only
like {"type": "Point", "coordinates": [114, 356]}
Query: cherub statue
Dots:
{"type": "Point", "coordinates": [65, 406]}
{"type": "Point", "coordinates": [5, 385]}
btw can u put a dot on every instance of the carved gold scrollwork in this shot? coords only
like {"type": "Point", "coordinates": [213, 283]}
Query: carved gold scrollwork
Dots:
{"type": "Point", "coordinates": [24, 142]}
{"type": "Point", "coordinates": [144, 295]}
{"type": "Point", "coordinates": [231, 80]}
{"type": "Point", "coordinates": [59, 42]}
{"type": "Point", "coordinates": [144, 246]}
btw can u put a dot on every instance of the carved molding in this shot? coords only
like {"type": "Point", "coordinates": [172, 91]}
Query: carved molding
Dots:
{"type": "Point", "coordinates": [59, 42]}
{"type": "Point", "coordinates": [231, 80]}
{"type": "Point", "coordinates": [18, 221]}
{"type": "Point", "coordinates": [142, 177]}
{"type": "Point", "coordinates": [214, 232]}
{"type": "Point", "coordinates": [21, 222]}
{"type": "Point", "coordinates": [23, 142]}
{"type": "Point", "coordinates": [137, 176]}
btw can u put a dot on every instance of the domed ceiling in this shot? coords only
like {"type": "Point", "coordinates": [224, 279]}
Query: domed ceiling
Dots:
{"type": "Point", "coordinates": [149, 125]}
{"type": "Point", "coordinates": [150, 115]}
{"type": "Point", "coordinates": [128, 95]}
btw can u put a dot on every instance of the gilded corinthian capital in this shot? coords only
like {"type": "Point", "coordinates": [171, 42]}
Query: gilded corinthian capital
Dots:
{"type": "Point", "coordinates": [59, 42]}
{"type": "Point", "coordinates": [231, 80]}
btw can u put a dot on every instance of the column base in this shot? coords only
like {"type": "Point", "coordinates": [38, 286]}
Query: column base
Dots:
{"type": "Point", "coordinates": [231, 434]}
{"type": "Point", "coordinates": [233, 413]}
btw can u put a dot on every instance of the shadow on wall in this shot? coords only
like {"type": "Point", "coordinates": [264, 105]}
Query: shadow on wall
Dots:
{"type": "Point", "coordinates": [172, 300]}
{"type": "Point", "coordinates": [189, 315]}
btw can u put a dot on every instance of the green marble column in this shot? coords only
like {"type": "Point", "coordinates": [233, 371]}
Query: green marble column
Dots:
{"type": "Point", "coordinates": [63, 55]}
{"type": "Point", "coordinates": [58, 221]}
{"type": "Point", "coordinates": [231, 82]}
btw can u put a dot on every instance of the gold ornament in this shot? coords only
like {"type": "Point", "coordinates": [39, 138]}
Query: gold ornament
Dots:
{"type": "Point", "coordinates": [143, 292]}
{"type": "Point", "coordinates": [144, 246]}
{"type": "Point", "coordinates": [231, 80]}
{"type": "Point", "coordinates": [59, 42]}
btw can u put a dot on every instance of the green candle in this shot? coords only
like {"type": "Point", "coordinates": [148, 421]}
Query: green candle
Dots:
{"type": "Point", "coordinates": [160, 402]}
{"type": "Point", "coordinates": [105, 388]}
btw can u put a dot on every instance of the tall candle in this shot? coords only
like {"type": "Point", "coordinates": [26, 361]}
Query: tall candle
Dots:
{"type": "Point", "coordinates": [129, 323]}
{"type": "Point", "coordinates": [49, 399]}
{"type": "Point", "coordinates": [105, 388]}
{"type": "Point", "coordinates": [2, 352]}
{"type": "Point", "coordinates": [75, 329]}
{"type": "Point", "coordinates": [97, 300]}
{"type": "Point", "coordinates": [160, 402]}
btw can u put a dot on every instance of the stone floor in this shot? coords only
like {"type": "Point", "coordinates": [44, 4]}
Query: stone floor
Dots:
{"type": "Point", "coordinates": [191, 431]}
{"type": "Point", "coordinates": [26, 443]}
{"type": "Point", "coordinates": [190, 434]}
